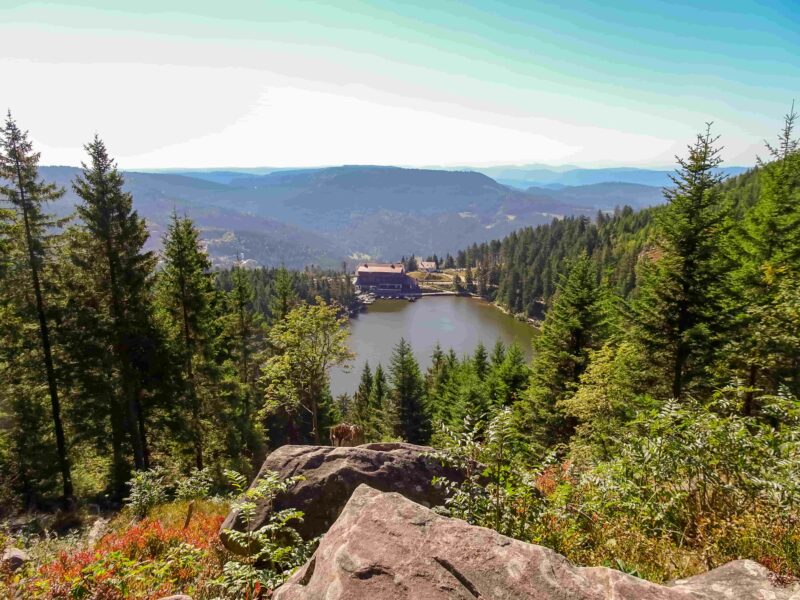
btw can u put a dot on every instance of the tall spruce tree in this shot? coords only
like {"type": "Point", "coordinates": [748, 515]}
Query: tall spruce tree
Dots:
{"type": "Point", "coordinates": [21, 187]}
{"type": "Point", "coordinates": [765, 245]}
{"type": "Point", "coordinates": [571, 329]}
{"type": "Point", "coordinates": [379, 399]}
{"type": "Point", "coordinates": [245, 331]}
{"type": "Point", "coordinates": [108, 251]}
{"type": "Point", "coordinates": [408, 395]}
{"type": "Point", "coordinates": [679, 311]}
{"type": "Point", "coordinates": [184, 297]}
{"type": "Point", "coordinates": [480, 359]}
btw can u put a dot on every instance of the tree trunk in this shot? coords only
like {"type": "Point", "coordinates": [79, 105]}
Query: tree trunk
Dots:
{"type": "Point", "coordinates": [122, 357]}
{"type": "Point", "coordinates": [142, 430]}
{"type": "Point", "coordinates": [314, 421]}
{"type": "Point", "coordinates": [119, 468]}
{"type": "Point", "coordinates": [749, 397]}
{"type": "Point", "coordinates": [44, 332]}
{"type": "Point", "coordinates": [681, 353]}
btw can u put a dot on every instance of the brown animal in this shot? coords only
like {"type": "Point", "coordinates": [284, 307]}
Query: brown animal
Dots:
{"type": "Point", "coordinates": [346, 434]}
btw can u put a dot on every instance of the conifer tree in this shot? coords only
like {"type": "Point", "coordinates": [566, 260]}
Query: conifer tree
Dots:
{"type": "Point", "coordinates": [21, 187]}
{"type": "Point", "coordinates": [366, 412]}
{"type": "Point", "coordinates": [469, 282]}
{"type": "Point", "coordinates": [766, 248]}
{"type": "Point", "coordinates": [480, 360]}
{"type": "Point", "coordinates": [571, 329]}
{"type": "Point", "coordinates": [108, 253]}
{"type": "Point", "coordinates": [498, 353]}
{"type": "Point", "coordinates": [283, 296]}
{"type": "Point", "coordinates": [509, 375]}
{"type": "Point", "coordinates": [380, 400]}
{"type": "Point", "coordinates": [247, 332]}
{"type": "Point", "coordinates": [679, 311]}
{"type": "Point", "coordinates": [185, 295]}
{"type": "Point", "coordinates": [408, 395]}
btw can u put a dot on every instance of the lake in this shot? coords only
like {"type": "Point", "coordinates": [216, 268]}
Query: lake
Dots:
{"type": "Point", "coordinates": [453, 321]}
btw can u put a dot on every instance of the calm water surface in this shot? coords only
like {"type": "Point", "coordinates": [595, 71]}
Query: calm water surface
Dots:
{"type": "Point", "coordinates": [455, 322]}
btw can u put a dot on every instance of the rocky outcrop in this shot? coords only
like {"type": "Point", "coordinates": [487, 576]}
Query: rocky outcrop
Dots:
{"type": "Point", "coordinates": [332, 474]}
{"type": "Point", "coordinates": [385, 547]}
{"type": "Point", "coordinates": [14, 559]}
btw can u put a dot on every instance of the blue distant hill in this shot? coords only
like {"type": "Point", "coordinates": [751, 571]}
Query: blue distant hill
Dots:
{"type": "Point", "coordinates": [325, 215]}
{"type": "Point", "coordinates": [525, 177]}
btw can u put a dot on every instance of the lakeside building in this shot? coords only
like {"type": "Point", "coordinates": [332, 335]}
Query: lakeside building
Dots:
{"type": "Point", "coordinates": [385, 280]}
{"type": "Point", "coordinates": [427, 266]}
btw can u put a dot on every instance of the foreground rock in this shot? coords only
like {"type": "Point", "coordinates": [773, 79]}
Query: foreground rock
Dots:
{"type": "Point", "coordinates": [332, 474]}
{"type": "Point", "coordinates": [385, 547]}
{"type": "Point", "coordinates": [14, 559]}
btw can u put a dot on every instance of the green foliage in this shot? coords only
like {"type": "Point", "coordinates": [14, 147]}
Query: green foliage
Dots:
{"type": "Point", "coordinates": [274, 550]}
{"type": "Point", "coordinates": [522, 272]}
{"type": "Point", "coordinates": [187, 309]}
{"type": "Point", "coordinates": [494, 491]}
{"type": "Point", "coordinates": [108, 272]}
{"type": "Point", "coordinates": [680, 316]}
{"type": "Point", "coordinates": [283, 296]}
{"type": "Point", "coordinates": [306, 345]}
{"type": "Point", "coordinates": [369, 407]}
{"type": "Point", "coordinates": [610, 395]}
{"type": "Point", "coordinates": [27, 291]}
{"type": "Point", "coordinates": [665, 382]}
{"type": "Point", "coordinates": [147, 490]}
{"type": "Point", "coordinates": [572, 328]}
{"type": "Point", "coordinates": [196, 485]}
{"type": "Point", "coordinates": [663, 392]}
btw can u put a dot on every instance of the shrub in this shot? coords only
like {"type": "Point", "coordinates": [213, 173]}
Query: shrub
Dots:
{"type": "Point", "coordinates": [496, 491]}
{"type": "Point", "coordinates": [148, 489]}
{"type": "Point", "coordinates": [196, 485]}
{"type": "Point", "coordinates": [692, 486]}
{"type": "Point", "coordinates": [271, 552]}
{"type": "Point", "coordinates": [151, 558]}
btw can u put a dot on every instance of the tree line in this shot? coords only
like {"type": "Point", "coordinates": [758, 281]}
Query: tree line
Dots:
{"type": "Point", "coordinates": [113, 358]}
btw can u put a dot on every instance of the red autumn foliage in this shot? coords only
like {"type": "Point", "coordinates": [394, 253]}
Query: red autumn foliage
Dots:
{"type": "Point", "coordinates": [130, 563]}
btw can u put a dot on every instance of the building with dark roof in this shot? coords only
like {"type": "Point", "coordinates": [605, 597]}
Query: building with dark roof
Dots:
{"type": "Point", "coordinates": [388, 279]}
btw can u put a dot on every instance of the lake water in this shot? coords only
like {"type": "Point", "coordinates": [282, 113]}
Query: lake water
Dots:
{"type": "Point", "coordinates": [453, 321]}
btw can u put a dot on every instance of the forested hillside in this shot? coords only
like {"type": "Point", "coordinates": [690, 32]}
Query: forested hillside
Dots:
{"type": "Point", "coordinates": [656, 430]}
{"type": "Point", "coordinates": [521, 272]}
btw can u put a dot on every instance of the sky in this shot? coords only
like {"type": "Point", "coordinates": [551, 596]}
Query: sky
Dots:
{"type": "Point", "coordinates": [246, 83]}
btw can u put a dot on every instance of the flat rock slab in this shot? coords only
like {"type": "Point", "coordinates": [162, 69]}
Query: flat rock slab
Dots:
{"type": "Point", "coordinates": [331, 475]}
{"type": "Point", "coordinates": [386, 547]}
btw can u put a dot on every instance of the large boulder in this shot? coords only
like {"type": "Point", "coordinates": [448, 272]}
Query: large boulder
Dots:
{"type": "Point", "coordinates": [332, 474]}
{"type": "Point", "coordinates": [385, 547]}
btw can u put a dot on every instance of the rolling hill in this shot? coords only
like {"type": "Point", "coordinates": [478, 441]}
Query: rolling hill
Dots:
{"type": "Point", "coordinates": [322, 216]}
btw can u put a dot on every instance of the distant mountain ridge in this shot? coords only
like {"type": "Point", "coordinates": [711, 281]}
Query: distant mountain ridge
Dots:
{"type": "Point", "coordinates": [326, 215]}
{"type": "Point", "coordinates": [538, 176]}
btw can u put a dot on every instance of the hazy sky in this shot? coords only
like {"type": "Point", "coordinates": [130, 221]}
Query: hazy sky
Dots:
{"type": "Point", "coordinates": [187, 83]}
